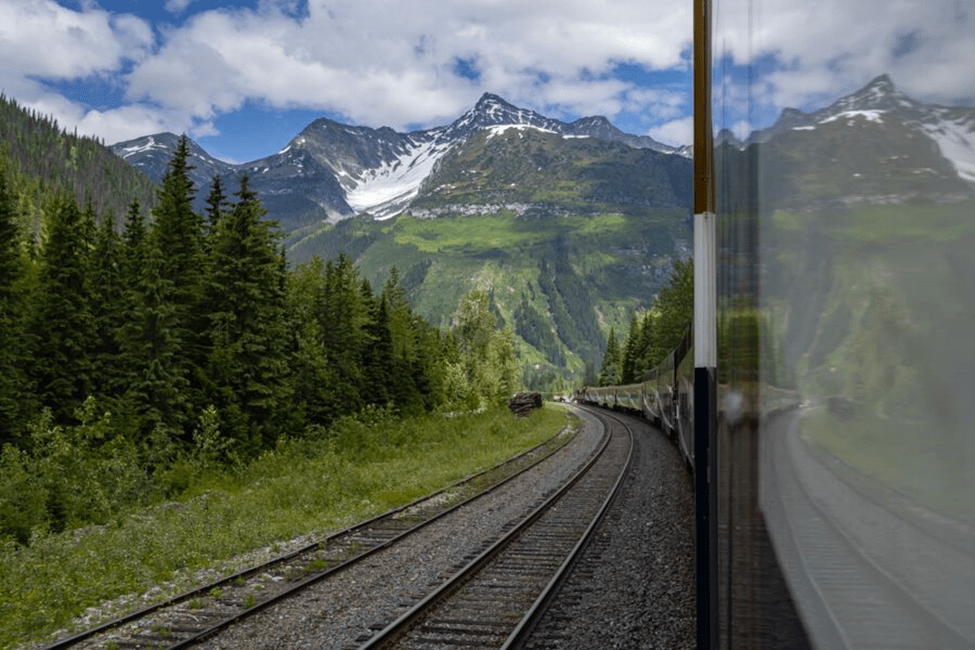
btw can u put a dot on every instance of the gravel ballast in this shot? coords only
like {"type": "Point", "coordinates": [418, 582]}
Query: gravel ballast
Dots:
{"type": "Point", "coordinates": [634, 589]}
{"type": "Point", "coordinates": [634, 586]}
{"type": "Point", "coordinates": [345, 610]}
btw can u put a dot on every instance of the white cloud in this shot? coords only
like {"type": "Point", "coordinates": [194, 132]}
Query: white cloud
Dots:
{"type": "Point", "coordinates": [393, 65]}
{"type": "Point", "coordinates": [676, 132]}
{"type": "Point", "coordinates": [177, 6]}
{"type": "Point", "coordinates": [396, 64]}
{"type": "Point", "coordinates": [44, 39]}
{"type": "Point", "coordinates": [832, 47]}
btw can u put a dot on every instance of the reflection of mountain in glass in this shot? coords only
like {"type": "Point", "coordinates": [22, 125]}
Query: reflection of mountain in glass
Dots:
{"type": "Point", "coordinates": [865, 212]}
{"type": "Point", "coordinates": [877, 145]}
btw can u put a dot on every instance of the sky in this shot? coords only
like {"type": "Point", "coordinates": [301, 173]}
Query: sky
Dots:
{"type": "Point", "coordinates": [242, 78]}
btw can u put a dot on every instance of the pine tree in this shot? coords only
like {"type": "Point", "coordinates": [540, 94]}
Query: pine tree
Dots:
{"type": "Point", "coordinates": [12, 306]}
{"type": "Point", "coordinates": [247, 335]}
{"type": "Point", "coordinates": [63, 326]}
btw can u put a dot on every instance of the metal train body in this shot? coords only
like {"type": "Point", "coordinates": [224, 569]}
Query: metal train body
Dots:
{"type": "Point", "coordinates": [665, 397]}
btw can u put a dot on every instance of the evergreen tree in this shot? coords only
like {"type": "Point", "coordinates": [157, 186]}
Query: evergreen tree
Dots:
{"type": "Point", "coordinates": [149, 343]}
{"type": "Point", "coordinates": [108, 308]}
{"type": "Point", "coordinates": [630, 371]}
{"type": "Point", "coordinates": [12, 306]}
{"type": "Point", "coordinates": [674, 308]}
{"type": "Point", "coordinates": [313, 377]}
{"type": "Point", "coordinates": [379, 364]}
{"type": "Point", "coordinates": [247, 336]}
{"type": "Point", "coordinates": [610, 369]}
{"type": "Point", "coordinates": [645, 342]}
{"type": "Point", "coordinates": [63, 326]}
{"type": "Point", "coordinates": [343, 317]}
{"type": "Point", "coordinates": [217, 204]}
{"type": "Point", "coordinates": [178, 235]}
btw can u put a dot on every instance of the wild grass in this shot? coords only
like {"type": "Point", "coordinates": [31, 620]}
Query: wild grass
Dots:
{"type": "Point", "coordinates": [360, 467]}
{"type": "Point", "coordinates": [902, 455]}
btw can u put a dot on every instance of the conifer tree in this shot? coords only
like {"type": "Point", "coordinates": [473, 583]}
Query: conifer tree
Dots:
{"type": "Point", "coordinates": [149, 343]}
{"type": "Point", "coordinates": [343, 317]}
{"type": "Point", "coordinates": [108, 308]}
{"type": "Point", "coordinates": [674, 308]}
{"type": "Point", "coordinates": [178, 235]}
{"type": "Point", "coordinates": [609, 371]}
{"type": "Point", "coordinates": [12, 306]}
{"type": "Point", "coordinates": [312, 375]}
{"type": "Point", "coordinates": [247, 336]}
{"type": "Point", "coordinates": [63, 325]}
{"type": "Point", "coordinates": [217, 204]}
{"type": "Point", "coordinates": [629, 370]}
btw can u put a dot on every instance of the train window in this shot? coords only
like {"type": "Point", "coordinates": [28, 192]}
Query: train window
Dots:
{"type": "Point", "coordinates": [844, 176]}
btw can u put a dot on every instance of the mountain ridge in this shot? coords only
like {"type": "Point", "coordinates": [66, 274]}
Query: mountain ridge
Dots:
{"type": "Point", "coordinates": [373, 171]}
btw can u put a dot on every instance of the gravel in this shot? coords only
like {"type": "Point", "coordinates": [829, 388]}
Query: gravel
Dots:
{"type": "Point", "coordinates": [634, 586]}
{"type": "Point", "coordinates": [344, 611]}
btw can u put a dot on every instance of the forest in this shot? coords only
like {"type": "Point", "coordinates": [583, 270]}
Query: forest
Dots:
{"type": "Point", "coordinates": [136, 355]}
{"type": "Point", "coordinates": [653, 334]}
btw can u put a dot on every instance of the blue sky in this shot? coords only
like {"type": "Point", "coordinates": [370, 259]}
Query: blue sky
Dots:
{"type": "Point", "coordinates": [242, 78]}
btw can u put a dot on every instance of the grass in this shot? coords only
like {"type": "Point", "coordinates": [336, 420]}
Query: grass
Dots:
{"type": "Point", "coordinates": [303, 487]}
{"type": "Point", "coordinates": [901, 455]}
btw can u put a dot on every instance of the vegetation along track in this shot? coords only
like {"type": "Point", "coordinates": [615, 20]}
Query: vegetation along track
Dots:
{"type": "Point", "coordinates": [492, 601]}
{"type": "Point", "coordinates": [188, 618]}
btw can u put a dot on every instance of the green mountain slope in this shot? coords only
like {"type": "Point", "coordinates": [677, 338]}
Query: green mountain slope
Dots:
{"type": "Point", "coordinates": [568, 235]}
{"type": "Point", "coordinates": [544, 170]}
{"type": "Point", "coordinates": [42, 160]}
{"type": "Point", "coordinates": [560, 281]}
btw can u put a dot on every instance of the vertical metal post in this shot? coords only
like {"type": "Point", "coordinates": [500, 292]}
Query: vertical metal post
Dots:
{"type": "Point", "coordinates": [705, 338]}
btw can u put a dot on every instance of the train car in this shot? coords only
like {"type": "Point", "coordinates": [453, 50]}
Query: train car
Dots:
{"type": "Point", "coordinates": [824, 406]}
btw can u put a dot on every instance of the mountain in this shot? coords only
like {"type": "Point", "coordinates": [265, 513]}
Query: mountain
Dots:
{"type": "Point", "coordinates": [332, 171]}
{"type": "Point", "coordinates": [41, 161]}
{"type": "Point", "coordinates": [876, 145]}
{"type": "Point", "coordinates": [572, 226]}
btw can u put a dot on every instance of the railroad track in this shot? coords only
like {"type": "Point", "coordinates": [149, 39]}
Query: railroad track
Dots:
{"type": "Point", "coordinates": [494, 601]}
{"type": "Point", "coordinates": [196, 615]}
{"type": "Point", "coordinates": [866, 605]}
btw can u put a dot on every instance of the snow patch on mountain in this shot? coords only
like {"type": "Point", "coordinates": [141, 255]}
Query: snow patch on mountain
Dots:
{"type": "Point", "coordinates": [501, 128]}
{"type": "Point", "coordinates": [384, 191]}
{"type": "Point", "coordinates": [136, 149]}
{"type": "Point", "coordinates": [870, 115]}
{"type": "Point", "coordinates": [957, 144]}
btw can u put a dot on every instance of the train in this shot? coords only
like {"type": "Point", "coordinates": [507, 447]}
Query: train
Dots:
{"type": "Point", "coordinates": [665, 397]}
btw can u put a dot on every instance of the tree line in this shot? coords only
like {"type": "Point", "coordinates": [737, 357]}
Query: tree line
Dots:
{"type": "Point", "coordinates": [652, 335]}
{"type": "Point", "coordinates": [134, 356]}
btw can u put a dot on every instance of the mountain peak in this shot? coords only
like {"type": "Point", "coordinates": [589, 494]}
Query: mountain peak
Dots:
{"type": "Point", "coordinates": [881, 84]}
{"type": "Point", "coordinates": [490, 99]}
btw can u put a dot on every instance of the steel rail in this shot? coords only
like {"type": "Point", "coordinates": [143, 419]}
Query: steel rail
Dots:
{"type": "Point", "coordinates": [347, 533]}
{"type": "Point", "coordinates": [523, 631]}
{"type": "Point", "coordinates": [388, 636]}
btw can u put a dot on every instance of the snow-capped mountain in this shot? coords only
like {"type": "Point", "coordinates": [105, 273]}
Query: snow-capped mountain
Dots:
{"type": "Point", "coordinates": [151, 155]}
{"type": "Point", "coordinates": [333, 171]}
{"type": "Point", "coordinates": [874, 144]}
{"type": "Point", "coordinates": [879, 103]}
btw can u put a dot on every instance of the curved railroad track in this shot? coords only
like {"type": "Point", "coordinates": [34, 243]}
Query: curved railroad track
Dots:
{"type": "Point", "coordinates": [868, 600]}
{"type": "Point", "coordinates": [193, 616]}
{"type": "Point", "coordinates": [493, 601]}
